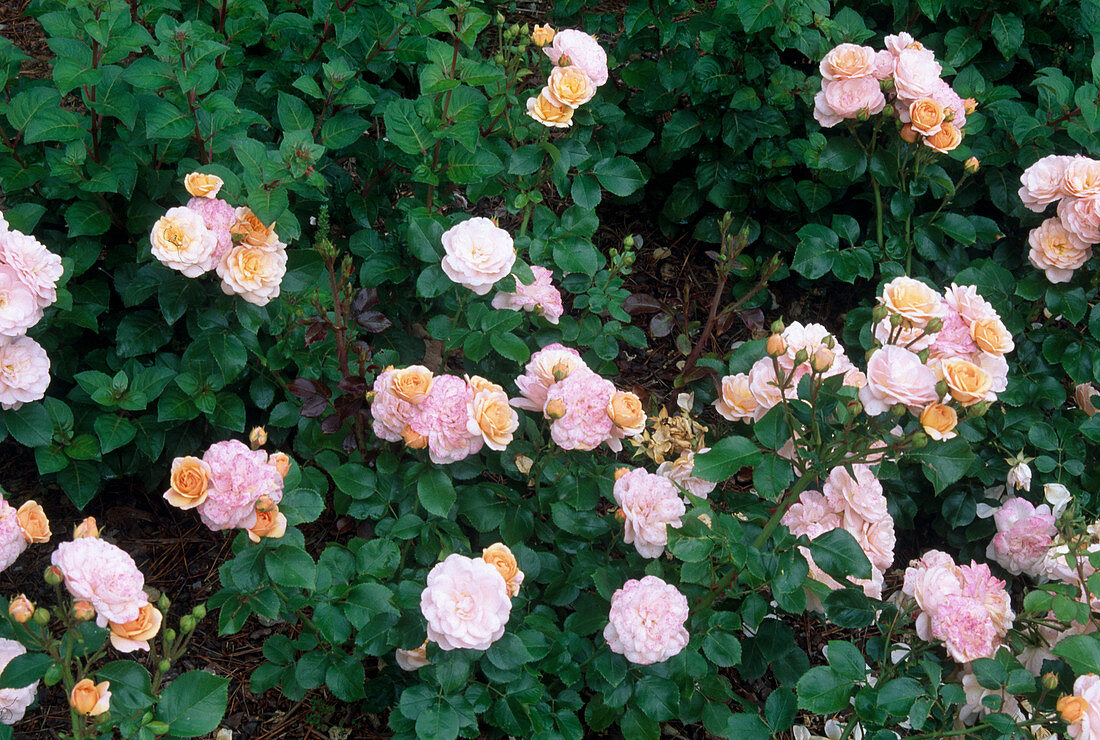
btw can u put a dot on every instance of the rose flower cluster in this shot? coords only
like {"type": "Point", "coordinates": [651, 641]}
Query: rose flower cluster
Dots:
{"type": "Point", "coordinates": [28, 286]}
{"type": "Point", "coordinates": [581, 67]}
{"type": "Point", "coordinates": [584, 409]}
{"type": "Point", "coordinates": [451, 416]}
{"type": "Point", "coordinates": [232, 487]}
{"type": "Point", "coordinates": [466, 602]}
{"type": "Point", "coordinates": [19, 528]}
{"type": "Point", "coordinates": [1064, 242]}
{"type": "Point", "coordinates": [854, 79]}
{"type": "Point", "coordinates": [210, 234]}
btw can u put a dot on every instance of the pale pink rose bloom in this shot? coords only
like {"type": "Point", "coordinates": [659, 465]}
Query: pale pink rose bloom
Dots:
{"type": "Point", "coordinates": [540, 297]}
{"type": "Point", "coordinates": [3, 224]}
{"type": "Point", "coordinates": [848, 61]}
{"type": "Point", "coordinates": [877, 540]}
{"type": "Point", "coordinates": [1024, 534]}
{"type": "Point", "coordinates": [254, 273]}
{"type": "Point", "coordinates": [1082, 217]}
{"type": "Point", "coordinates": [24, 371]}
{"type": "Point", "coordinates": [845, 99]}
{"type": "Point", "coordinates": [884, 65]}
{"type": "Point", "coordinates": [412, 660]}
{"type": "Point", "coordinates": [19, 309]}
{"type": "Point", "coordinates": [966, 628]}
{"type": "Point", "coordinates": [979, 583]}
{"type": "Point", "coordinates": [584, 396]}
{"type": "Point", "coordinates": [443, 417]}
{"type": "Point", "coordinates": [646, 621]}
{"type": "Point", "coordinates": [37, 267]}
{"type": "Point", "coordinates": [680, 471]}
{"type": "Point", "coordinates": [810, 337]}
{"type": "Point", "coordinates": [973, 710]}
{"type": "Point", "coordinates": [862, 494]}
{"type": "Point", "coordinates": [896, 375]}
{"type": "Point", "coordinates": [811, 515]}
{"type": "Point", "coordinates": [239, 476]}
{"type": "Point", "coordinates": [12, 541]}
{"type": "Point", "coordinates": [1041, 183]}
{"type": "Point", "coordinates": [996, 367]}
{"type": "Point", "coordinates": [1081, 178]}
{"type": "Point", "coordinates": [650, 504]}
{"type": "Point", "coordinates": [916, 73]}
{"type": "Point", "coordinates": [14, 702]}
{"type": "Point", "coordinates": [946, 96]}
{"type": "Point", "coordinates": [969, 304]}
{"type": "Point", "coordinates": [180, 240]}
{"type": "Point", "coordinates": [582, 50]}
{"type": "Point", "coordinates": [549, 365]}
{"type": "Point", "coordinates": [218, 216]}
{"type": "Point", "coordinates": [390, 414]}
{"type": "Point", "coordinates": [478, 254]}
{"type": "Point", "coordinates": [1087, 726]}
{"type": "Point", "coordinates": [763, 385]}
{"type": "Point", "coordinates": [104, 575]}
{"type": "Point", "coordinates": [953, 339]}
{"type": "Point", "coordinates": [466, 603]}
{"type": "Point", "coordinates": [736, 402]}
{"type": "Point", "coordinates": [930, 580]}
{"type": "Point", "coordinates": [1056, 250]}
{"type": "Point", "coordinates": [896, 43]}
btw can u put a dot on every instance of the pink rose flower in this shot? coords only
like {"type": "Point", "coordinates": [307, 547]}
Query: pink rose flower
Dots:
{"type": "Point", "coordinates": [582, 50]}
{"type": "Point", "coordinates": [19, 309]}
{"type": "Point", "coordinates": [581, 399]}
{"type": "Point", "coordinates": [239, 476]}
{"type": "Point", "coordinates": [1081, 178]}
{"type": "Point", "coordinates": [390, 414]}
{"type": "Point", "coordinates": [946, 96]}
{"type": "Point", "coordinates": [896, 43]}
{"type": "Point", "coordinates": [929, 581]}
{"type": "Point", "coordinates": [764, 386]}
{"type": "Point", "coordinates": [680, 470]}
{"type": "Point", "coordinates": [646, 621]}
{"type": "Point", "coordinates": [24, 371]}
{"type": "Point", "coordinates": [861, 495]}
{"type": "Point", "coordinates": [896, 375]}
{"type": "Point", "coordinates": [540, 297]}
{"type": "Point", "coordinates": [103, 575]}
{"type": "Point", "coordinates": [954, 338]}
{"type": "Point", "coordinates": [848, 61]}
{"type": "Point", "coordinates": [884, 65]}
{"type": "Point", "coordinates": [846, 98]}
{"type": "Point", "coordinates": [1024, 534]}
{"type": "Point", "coordinates": [1056, 250]}
{"type": "Point", "coordinates": [37, 267]}
{"type": "Point", "coordinates": [478, 254]}
{"type": "Point", "coordinates": [965, 628]}
{"type": "Point", "coordinates": [443, 417]}
{"type": "Point", "coordinates": [972, 307]}
{"type": "Point", "coordinates": [1082, 217]}
{"type": "Point", "coordinates": [12, 541]}
{"type": "Point", "coordinates": [1041, 183]}
{"type": "Point", "coordinates": [650, 504]}
{"type": "Point", "coordinates": [811, 515]}
{"type": "Point", "coordinates": [916, 73]}
{"type": "Point", "coordinates": [550, 364]}
{"type": "Point", "coordinates": [218, 216]}
{"type": "Point", "coordinates": [14, 702]}
{"type": "Point", "coordinates": [466, 604]}
{"type": "Point", "coordinates": [877, 540]}
{"type": "Point", "coordinates": [736, 402]}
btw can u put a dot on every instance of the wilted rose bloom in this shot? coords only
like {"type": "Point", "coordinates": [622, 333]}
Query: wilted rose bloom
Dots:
{"type": "Point", "coordinates": [218, 216]}
{"type": "Point", "coordinates": [491, 417]}
{"type": "Point", "coordinates": [24, 371]}
{"type": "Point", "coordinates": [181, 241]}
{"type": "Point", "coordinates": [14, 702]}
{"type": "Point", "coordinates": [90, 698]}
{"type": "Point", "coordinates": [500, 557]}
{"type": "Point", "coordinates": [939, 421]}
{"type": "Point", "coordinates": [646, 621]}
{"type": "Point", "coordinates": [570, 86]}
{"type": "Point", "coordinates": [650, 504]}
{"type": "Point", "coordinates": [680, 471]}
{"type": "Point", "coordinates": [551, 364]}
{"type": "Point", "coordinates": [540, 297]}
{"type": "Point", "coordinates": [104, 575]}
{"type": "Point", "coordinates": [189, 482]}
{"type": "Point", "coordinates": [584, 397]}
{"type": "Point", "coordinates": [38, 268]}
{"type": "Point", "coordinates": [33, 522]}
{"type": "Point", "coordinates": [916, 73]}
{"type": "Point", "coordinates": [412, 660]}
{"type": "Point", "coordinates": [1081, 178]}
{"type": "Point", "coordinates": [1024, 532]}
{"type": "Point", "coordinates": [202, 185]}
{"type": "Point", "coordinates": [896, 375]}
{"type": "Point", "coordinates": [1019, 476]}
{"type": "Point", "coordinates": [1057, 251]}
{"type": "Point", "coordinates": [478, 254]}
{"type": "Point", "coordinates": [444, 419]}
{"type": "Point", "coordinates": [1058, 496]}
{"type": "Point", "coordinates": [466, 603]}
{"type": "Point", "coordinates": [581, 50]}
{"type": "Point", "coordinates": [1081, 710]}
{"type": "Point", "coordinates": [1081, 216]}
{"type": "Point", "coordinates": [126, 637]}
{"type": "Point", "coordinates": [253, 273]}
{"type": "Point", "coordinates": [1042, 182]}
{"type": "Point", "coordinates": [239, 476]}
{"type": "Point", "coordinates": [250, 230]}
{"type": "Point", "coordinates": [19, 308]}
{"type": "Point", "coordinates": [846, 99]}
{"type": "Point", "coordinates": [546, 109]}
{"type": "Point", "coordinates": [847, 61]}
{"type": "Point", "coordinates": [945, 140]}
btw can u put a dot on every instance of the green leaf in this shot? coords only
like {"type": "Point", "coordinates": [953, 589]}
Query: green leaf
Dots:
{"type": "Point", "coordinates": [957, 227]}
{"type": "Point", "coordinates": [25, 669]}
{"type": "Point", "coordinates": [113, 431]}
{"type": "Point", "coordinates": [897, 696]}
{"type": "Point", "coordinates": [435, 491]}
{"type": "Point", "coordinates": [508, 652]}
{"type": "Point", "coordinates": [846, 661]}
{"type": "Point", "coordinates": [837, 553]}
{"type": "Point", "coordinates": [194, 704]}
{"type": "Point", "coordinates": [945, 462]}
{"type": "Point", "coordinates": [722, 648]}
{"type": "Point", "coordinates": [841, 154]}
{"type": "Point", "coordinates": [131, 686]}
{"type": "Point", "coordinates": [342, 130]}
{"type": "Point", "coordinates": [726, 458]}
{"type": "Point", "coordinates": [1082, 652]}
{"type": "Point", "coordinates": [510, 347]}
{"type": "Point", "coordinates": [291, 566]}
{"type": "Point", "coordinates": [746, 726]}
{"type": "Point", "coordinates": [54, 124]}
{"type": "Point", "coordinates": [30, 424]}
{"type": "Point", "coordinates": [86, 219]}
{"type": "Point", "coordinates": [1008, 33]}
{"type": "Point", "coordinates": [404, 128]}
{"type": "Point", "coordinates": [438, 721]}
{"type": "Point", "coordinates": [821, 691]}
{"type": "Point", "coordinates": [378, 558]}
{"type": "Point", "coordinates": [585, 191]}
{"type": "Point", "coordinates": [619, 175]}
{"type": "Point", "coordinates": [294, 114]}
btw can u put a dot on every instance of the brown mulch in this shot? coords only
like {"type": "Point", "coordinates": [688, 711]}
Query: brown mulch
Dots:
{"type": "Point", "coordinates": [26, 33]}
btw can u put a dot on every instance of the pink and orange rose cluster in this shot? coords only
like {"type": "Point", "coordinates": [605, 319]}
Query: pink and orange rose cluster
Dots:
{"type": "Point", "coordinates": [581, 67]}
{"type": "Point", "coordinates": [210, 234]}
{"type": "Point", "coordinates": [855, 77]}
{"type": "Point", "coordinates": [20, 527]}
{"type": "Point", "coordinates": [585, 410]}
{"type": "Point", "coordinates": [857, 505]}
{"type": "Point", "coordinates": [232, 487]}
{"type": "Point", "coordinates": [452, 417]}
{"type": "Point", "coordinates": [28, 286]}
{"type": "Point", "coordinates": [1063, 243]}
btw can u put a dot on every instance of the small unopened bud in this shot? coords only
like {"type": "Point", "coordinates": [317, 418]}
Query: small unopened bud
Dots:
{"type": "Point", "coordinates": [53, 575]}
{"type": "Point", "coordinates": [86, 528]}
{"type": "Point", "coordinates": [281, 461]}
{"type": "Point", "coordinates": [822, 360]}
{"type": "Point", "coordinates": [878, 313]}
{"type": "Point", "coordinates": [199, 612]}
{"type": "Point", "coordinates": [498, 57]}
{"type": "Point", "coordinates": [923, 355]}
{"type": "Point", "coordinates": [863, 114]}
{"type": "Point", "coordinates": [886, 86]}
{"type": "Point", "coordinates": [801, 356]}
{"type": "Point", "coordinates": [170, 635]}
{"type": "Point", "coordinates": [163, 602]}
{"type": "Point", "coordinates": [83, 610]}
{"type": "Point", "coordinates": [949, 114]}
{"type": "Point", "coordinates": [1050, 681]}
{"type": "Point", "coordinates": [889, 111]}
{"type": "Point", "coordinates": [42, 616]}
{"type": "Point", "coordinates": [369, 396]}
{"type": "Point", "coordinates": [628, 241]}
{"type": "Point", "coordinates": [934, 326]}
{"type": "Point", "coordinates": [941, 388]}
{"type": "Point", "coordinates": [257, 438]}
{"type": "Point", "coordinates": [896, 319]}
{"type": "Point", "coordinates": [778, 326]}
{"type": "Point", "coordinates": [829, 341]}
{"type": "Point", "coordinates": [777, 345]}
{"type": "Point", "coordinates": [978, 410]}
{"type": "Point", "coordinates": [919, 439]}
{"type": "Point", "coordinates": [21, 609]}
{"type": "Point", "coordinates": [499, 18]}
{"type": "Point", "coordinates": [898, 410]}
{"type": "Point", "coordinates": [908, 133]}
{"type": "Point", "coordinates": [555, 409]}
{"type": "Point", "coordinates": [187, 623]}
{"type": "Point", "coordinates": [620, 472]}
{"type": "Point", "coordinates": [620, 516]}
{"type": "Point", "coordinates": [970, 105]}
{"type": "Point", "coordinates": [856, 408]}
{"type": "Point", "coordinates": [971, 165]}
{"type": "Point", "coordinates": [164, 665]}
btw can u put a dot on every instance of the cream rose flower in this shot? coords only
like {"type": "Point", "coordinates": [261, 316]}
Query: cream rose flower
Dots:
{"type": "Point", "coordinates": [202, 185]}
{"type": "Point", "coordinates": [939, 421]}
{"type": "Point", "coordinates": [500, 557]}
{"type": "Point", "coordinates": [1081, 178]}
{"type": "Point", "coordinates": [580, 49]}
{"type": "Point", "coordinates": [1041, 183]}
{"type": "Point", "coordinates": [465, 603]}
{"type": "Point", "coordinates": [1082, 217]}
{"type": "Point", "coordinates": [181, 241]}
{"type": "Point", "coordinates": [737, 403]}
{"type": "Point", "coordinates": [967, 383]}
{"type": "Point", "coordinates": [926, 116]}
{"type": "Point", "coordinates": [412, 383]}
{"type": "Point", "coordinates": [913, 300]}
{"type": "Point", "coordinates": [189, 483]}
{"type": "Point", "coordinates": [847, 61]}
{"type": "Point", "coordinates": [545, 109]}
{"type": "Point", "coordinates": [478, 254]}
{"type": "Point", "coordinates": [492, 417]}
{"type": "Point", "coordinates": [253, 273]}
{"type": "Point", "coordinates": [896, 375]}
{"type": "Point", "coordinates": [1057, 251]}
{"type": "Point", "coordinates": [126, 637]}
{"type": "Point", "coordinates": [570, 86]}
{"type": "Point", "coordinates": [916, 73]}
{"type": "Point", "coordinates": [626, 412]}
{"type": "Point", "coordinates": [946, 139]}
{"type": "Point", "coordinates": [991, 335]}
